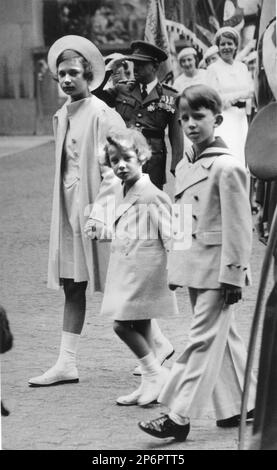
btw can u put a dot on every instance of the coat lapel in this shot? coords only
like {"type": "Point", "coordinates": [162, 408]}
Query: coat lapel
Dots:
{"type": "Point", "coordinates": [124, 203]}
{"type": "Point", "coordinates": [193, 173]}
{"type": "Point", "coordinates": [135, 93]}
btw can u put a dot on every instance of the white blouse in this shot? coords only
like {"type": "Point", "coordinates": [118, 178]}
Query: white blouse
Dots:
{"type": "Point", "coordinates": [231, 81]}
{"type": "Point", "coordinates": [182, 82]}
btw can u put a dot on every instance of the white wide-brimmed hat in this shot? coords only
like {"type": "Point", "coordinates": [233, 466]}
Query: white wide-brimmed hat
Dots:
{"type": "Point", "coordinates": [210, 51]}
{"type": "Point", "coordinates": [227, 29]}
{"type": "Point", "coordinates": [84, 47]}
{"type": "Point", "coordinates": [186, 51]}
{"type": "Point", "coordinates": [261, 143]}
{"type": "Point", "coordinates": [270, 57]}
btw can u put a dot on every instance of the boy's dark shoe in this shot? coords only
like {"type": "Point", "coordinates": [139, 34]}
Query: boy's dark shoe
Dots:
{"type": "Point", "coordinates": [234, 421]}
{"type": "Point", "coordinates": [164, 427]}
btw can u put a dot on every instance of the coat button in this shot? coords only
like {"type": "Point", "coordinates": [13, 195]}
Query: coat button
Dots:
{"type": "Point", "coordinates": [196, 198]}
{"type": "Point", "coordinates": [138, 124]}
{"type": "Point", "coordinates": [124, 101]}
{"type": "Point", "coordinates": [75, 154]}
{"type": "Point", "coordinates": [193, 235]}
{"type": "Point", "coordinates": [139, 115]}
{"type": "Point", "coordinates": [73, 141]}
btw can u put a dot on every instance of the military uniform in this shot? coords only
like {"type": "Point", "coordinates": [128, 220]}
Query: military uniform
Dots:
{"type": "Point", "coordinates": [151, 116]}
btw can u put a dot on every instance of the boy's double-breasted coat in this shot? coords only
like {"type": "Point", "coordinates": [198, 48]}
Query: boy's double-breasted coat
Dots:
{"type": "Point", "coordinates": [136, 285]}
{"type": "Point", "coordinates": [215, 187]}
{"type": "Point", "coordinates": [213, 362]}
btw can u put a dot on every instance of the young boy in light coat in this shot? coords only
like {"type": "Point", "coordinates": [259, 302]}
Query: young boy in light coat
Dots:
{"type": "Point", "coordinates": [214, 268]}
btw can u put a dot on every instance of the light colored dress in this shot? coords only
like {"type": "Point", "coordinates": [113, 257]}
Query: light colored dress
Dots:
{"type": "Point", "coordinates": [182, 82]}
{"type": "Point", "coordinates": [232, 82]}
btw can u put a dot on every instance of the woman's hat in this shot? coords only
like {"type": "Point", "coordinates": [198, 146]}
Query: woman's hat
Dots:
{"type": "Point", "coordinates": [227, 29]}
{"type": "Point", "coordinates": [270, 57]}
{"type": "Point", "coordinates": [261, 143]}
{"type": "Point", "coordinates": [84, 47]}
{"type": "Point", "coordinates": [186, 51]}
{"type": "Point", "coordinates": [210, 51]}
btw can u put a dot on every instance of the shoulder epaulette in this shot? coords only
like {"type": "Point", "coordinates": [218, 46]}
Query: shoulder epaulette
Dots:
{"type": "Point", "coordinates": [165, 85]}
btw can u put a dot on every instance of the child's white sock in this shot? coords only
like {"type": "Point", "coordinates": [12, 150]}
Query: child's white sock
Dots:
{"type": "Point", "coordinates": [150, 364]}
{"type": "Point", "coordinates": [68, 350]}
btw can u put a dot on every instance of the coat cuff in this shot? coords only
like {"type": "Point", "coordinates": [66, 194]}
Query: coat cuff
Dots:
{"type": "Point", "coordinates": [235, 275]}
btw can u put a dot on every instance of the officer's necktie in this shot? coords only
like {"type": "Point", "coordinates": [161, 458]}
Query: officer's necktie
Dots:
{"type": "Point", "coordinates": [144, 91]}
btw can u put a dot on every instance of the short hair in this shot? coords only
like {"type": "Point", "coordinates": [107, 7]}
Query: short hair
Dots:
{"type": "Point", "coordinates": [199, 96]}
{"type": "Point", "coordinates": [228, 35]}
{"type": "Point", "coordinates": [71, 54]}
{"type": "Point", "coordinates": [188, 50]}
{"type": "Point", "coordinates": [124, 140]}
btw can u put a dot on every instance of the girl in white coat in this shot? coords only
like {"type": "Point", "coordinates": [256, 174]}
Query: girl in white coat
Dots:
{"type": "Point", "coordinates": [80, 129]}
{"type": "Point", "coordinates": [136, 288]}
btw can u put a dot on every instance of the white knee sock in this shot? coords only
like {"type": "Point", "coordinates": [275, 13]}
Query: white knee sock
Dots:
{"type": "Point", "coordinates": [68, 350]}
{"type": "Point", "coordinates": [150, 365]}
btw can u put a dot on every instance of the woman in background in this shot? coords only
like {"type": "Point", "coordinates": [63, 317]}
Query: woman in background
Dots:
{"type": "Point", "coordinates": [190, 75]}
{"type": "Point", "coordinates": [231, 79]}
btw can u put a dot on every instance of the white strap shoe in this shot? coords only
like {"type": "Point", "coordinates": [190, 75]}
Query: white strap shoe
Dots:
{"type": "Point", "coordinates": [55, 376]}
{"type": "Point", "coordinates": [131, 399]}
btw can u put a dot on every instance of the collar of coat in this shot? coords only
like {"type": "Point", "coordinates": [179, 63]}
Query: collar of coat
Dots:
{"type": "Point", "coordinates": [216, 148]}
{"type": "Point", "coordinates": [124, 203]}
{"type": "Point", "coordinates": [189, 173]}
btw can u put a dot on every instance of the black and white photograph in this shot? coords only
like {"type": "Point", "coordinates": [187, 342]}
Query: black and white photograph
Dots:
{"type": "Point", "coordinates": [138, 228]}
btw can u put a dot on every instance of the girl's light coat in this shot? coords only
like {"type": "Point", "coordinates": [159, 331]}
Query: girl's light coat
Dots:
{"type": "Point", "coordinates": [89, 124]}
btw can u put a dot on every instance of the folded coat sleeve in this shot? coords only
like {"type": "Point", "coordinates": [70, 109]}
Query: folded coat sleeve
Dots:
{"type": "Point", "coordinates": [236, 226]}
{"type": "Point", "coordinates": [103, 208]}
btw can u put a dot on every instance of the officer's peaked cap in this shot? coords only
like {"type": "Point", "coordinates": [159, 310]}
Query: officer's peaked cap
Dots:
{"type": "Point", "coordinates": [146, 52]}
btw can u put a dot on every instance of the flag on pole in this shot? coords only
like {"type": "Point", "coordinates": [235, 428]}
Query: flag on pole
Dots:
{"type": "Point", "coordinates": [156, 33]}
{"type": "Point", "coordinates": [233, 14]}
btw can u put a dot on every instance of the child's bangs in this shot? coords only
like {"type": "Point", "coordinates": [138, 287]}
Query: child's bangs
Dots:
{"type": "Point", "coordinates": [199, 96]}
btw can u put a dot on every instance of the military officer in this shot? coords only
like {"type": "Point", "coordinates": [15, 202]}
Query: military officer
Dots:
{"type": "Point", "coordinates": [150, 106]}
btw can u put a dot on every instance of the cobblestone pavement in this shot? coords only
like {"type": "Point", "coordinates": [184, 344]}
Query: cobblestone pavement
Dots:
{"type": "Point", "coordinates": [78, 416]}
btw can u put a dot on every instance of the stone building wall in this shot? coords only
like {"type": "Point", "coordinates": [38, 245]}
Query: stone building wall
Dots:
{"type": "Point", "coordinates": [20, 31]}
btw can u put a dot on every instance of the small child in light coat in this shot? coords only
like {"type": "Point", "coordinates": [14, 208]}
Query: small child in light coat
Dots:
{"type": "Point", "coordinates": [136, 288]}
